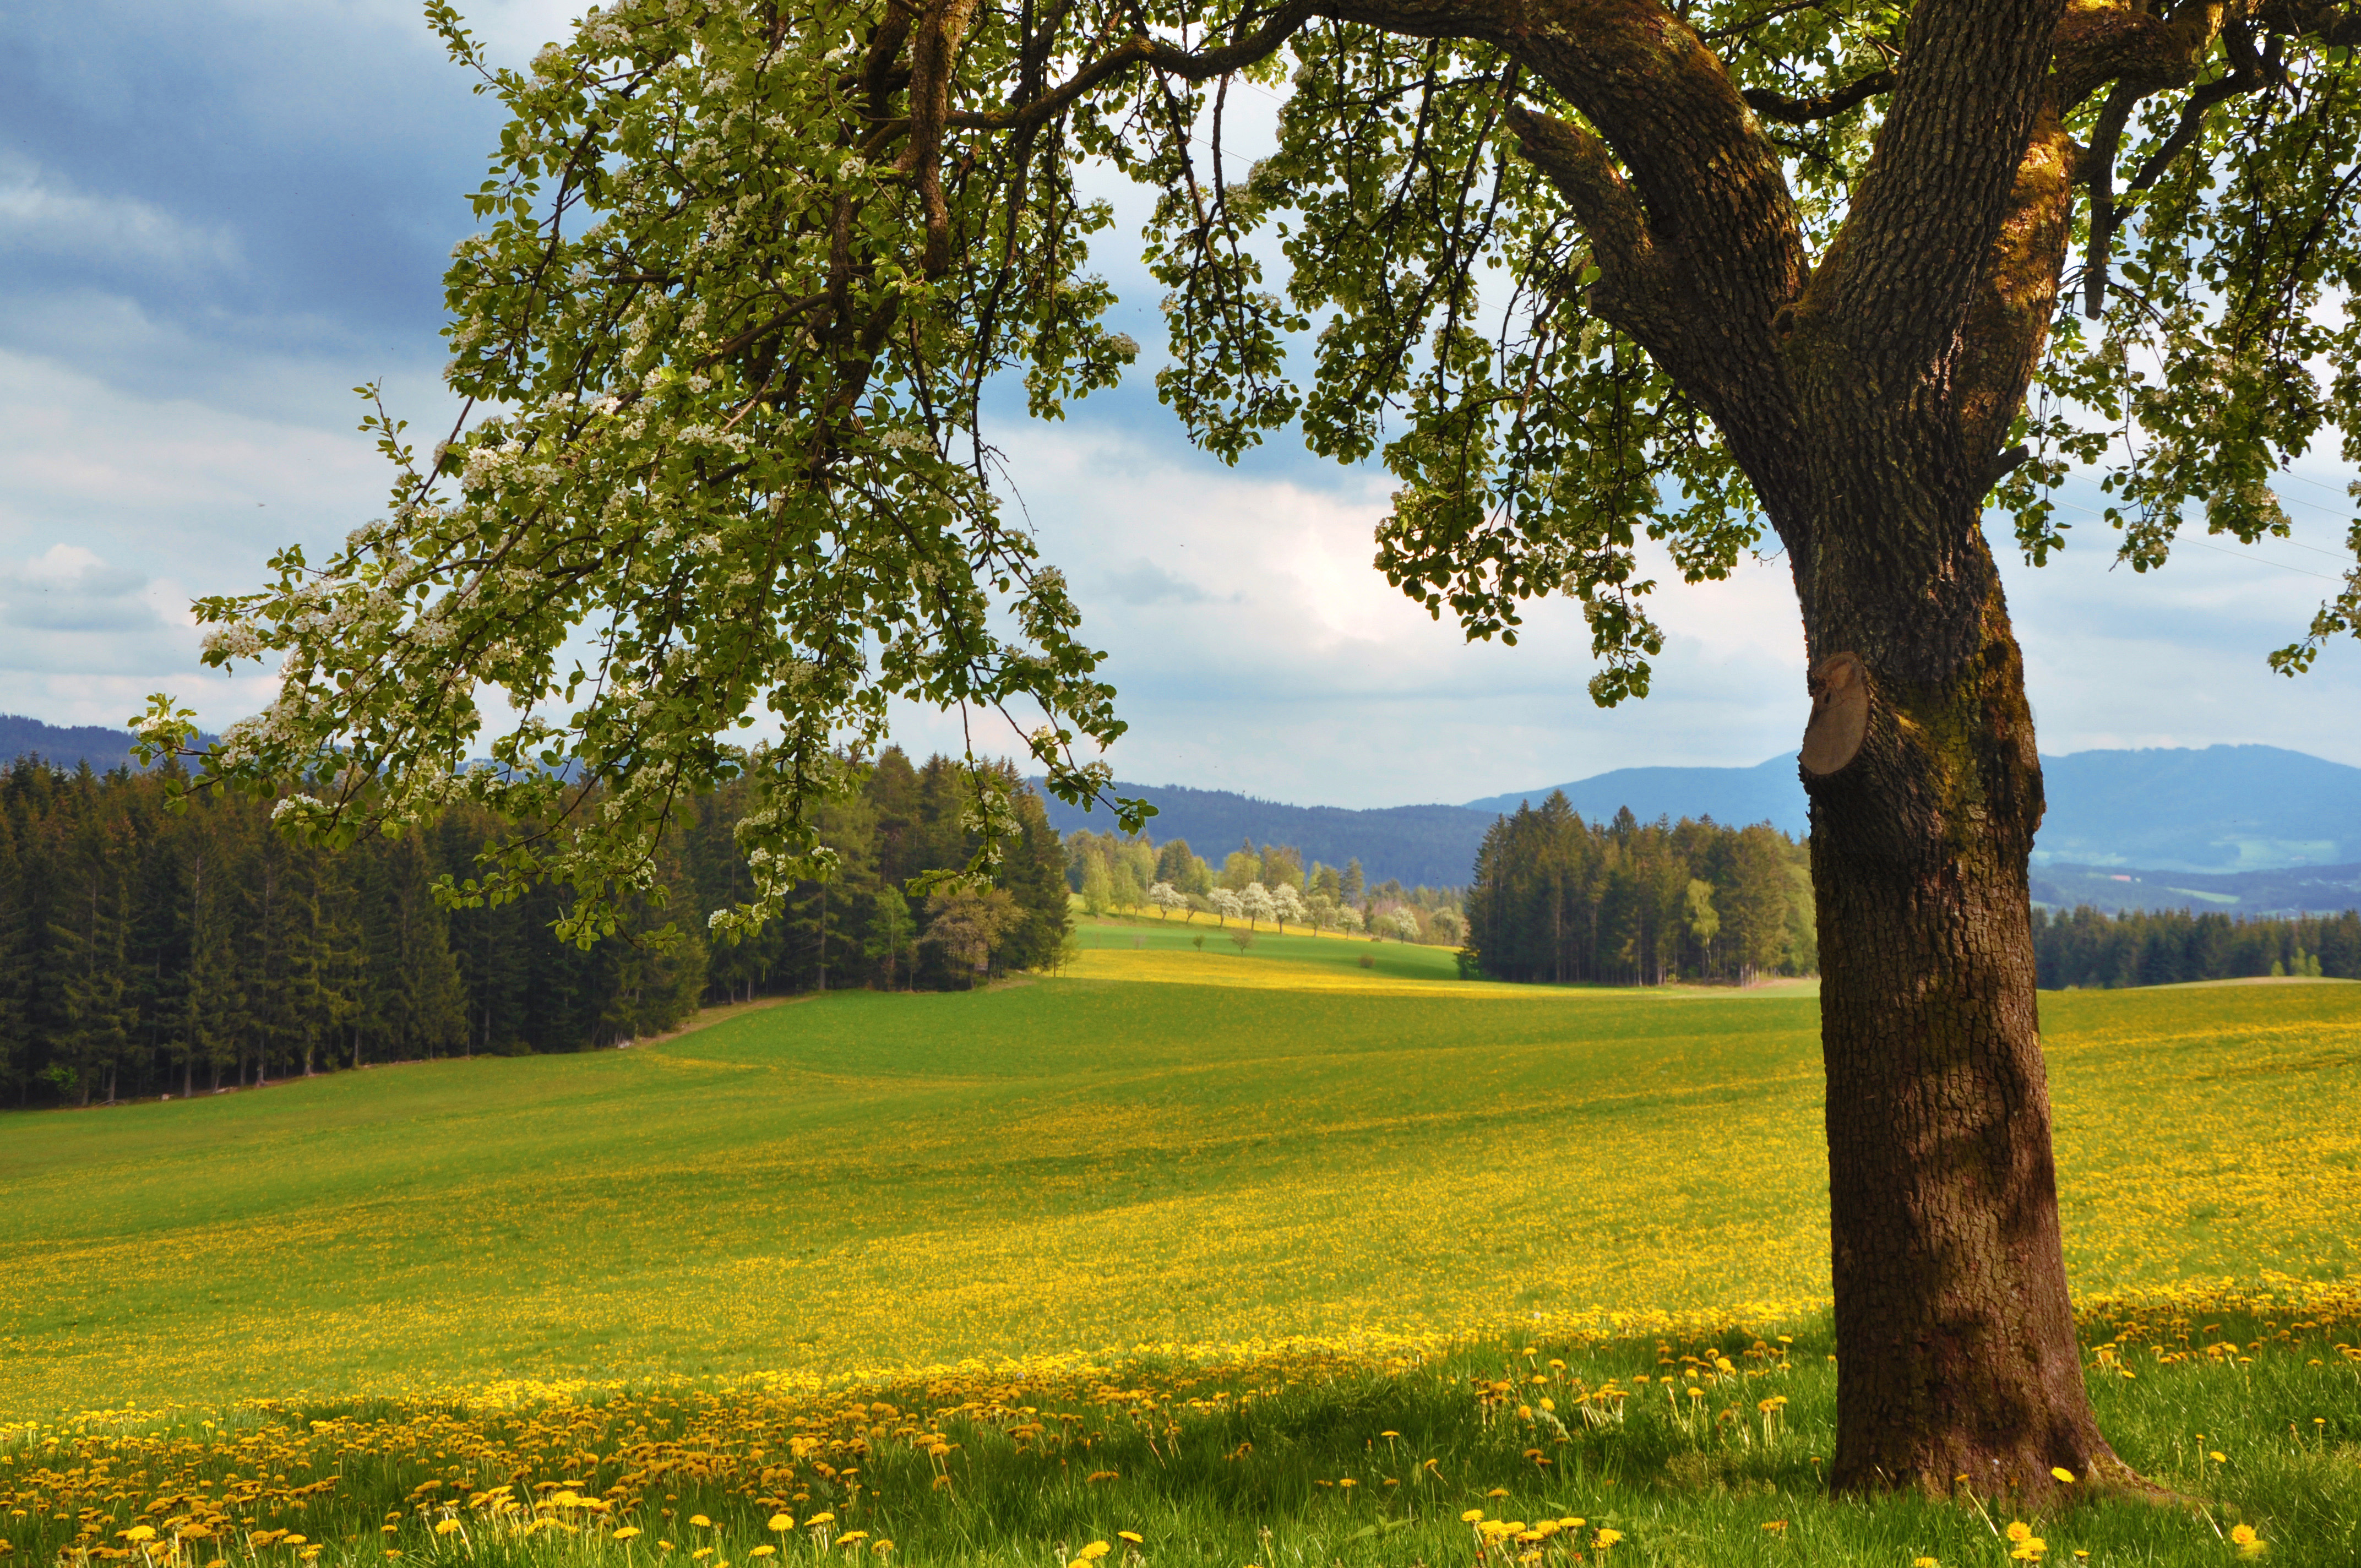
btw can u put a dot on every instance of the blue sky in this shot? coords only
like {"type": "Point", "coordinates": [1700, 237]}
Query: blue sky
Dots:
{"type": "Point", "coordinates": [217, 218]}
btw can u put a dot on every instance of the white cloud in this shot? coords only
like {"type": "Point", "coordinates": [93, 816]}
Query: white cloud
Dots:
{"type": "Point", "coordinates": [43, 215]}
{"type": "Point", "coordinates": [67, 589]}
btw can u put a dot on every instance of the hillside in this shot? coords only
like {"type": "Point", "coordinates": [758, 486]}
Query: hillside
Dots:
{"type": "Point", "coordinates": [69, 746]}
{"type": "Point", "coordinates": [1285, 1145]}
{"type": "Point", "coordinates": [1412, 844]}
{"type": "Point", "coordinates": [65, 746]}
{"type": "Point", "coordinates": [2295, 889]}
{"type": "Point", "coordinates": [1767, 792]}
{"type": "Point", "coordinates": [2222, 812]}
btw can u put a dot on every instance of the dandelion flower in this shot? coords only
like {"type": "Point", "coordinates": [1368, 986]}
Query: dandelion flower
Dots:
{"type": "Point", "coordinates": [1130, 1536]}
{"type": "Point", "coordinates": [782, 1523]}
{"type": "Point", "coordinates": [2019, 1532]}
{"type": "Point", "coordinates": [766, 1550]}
{"type": "Point", "coordinates": [447, 1527]}
{"type": "Point", "coordinates": [628, 1532]}
{"type": "Point", "coordinates": [1471, 1516]}
{"type": "Point", "coordinates": [2062, 1474]}
{"type": "Point", "coordinates": [818, 1519]}
{"type": "Point", "coordinates": [700, 1521]}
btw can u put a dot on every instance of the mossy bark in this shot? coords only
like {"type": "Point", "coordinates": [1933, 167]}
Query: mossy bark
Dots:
{"type": "Point", "coordinates": [1958, 1364]}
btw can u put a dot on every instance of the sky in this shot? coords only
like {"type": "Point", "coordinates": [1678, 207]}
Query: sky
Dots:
{"type": "Point", "coordinates": [218, 217]}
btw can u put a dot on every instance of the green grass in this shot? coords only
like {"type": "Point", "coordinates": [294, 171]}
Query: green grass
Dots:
{"type": "Point", "coordinates": [1400, 960]}
{"type": "Point", "coordinates": [1274, 1167]}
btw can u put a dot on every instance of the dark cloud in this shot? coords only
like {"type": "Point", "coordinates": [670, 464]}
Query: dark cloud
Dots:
{"type": "Point", "coordinates": [269, 178]}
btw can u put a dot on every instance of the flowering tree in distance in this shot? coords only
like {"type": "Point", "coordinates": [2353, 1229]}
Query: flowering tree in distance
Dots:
{"type": "Point", "coordinates": [1580, 270]}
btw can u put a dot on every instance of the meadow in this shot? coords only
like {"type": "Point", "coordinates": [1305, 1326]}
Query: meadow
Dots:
{"type": "Point", "coordinates": [1257, 1256]}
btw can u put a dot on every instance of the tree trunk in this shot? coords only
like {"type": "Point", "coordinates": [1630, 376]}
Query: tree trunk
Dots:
{"type": "Point", "coordinates": [1957, 1355]}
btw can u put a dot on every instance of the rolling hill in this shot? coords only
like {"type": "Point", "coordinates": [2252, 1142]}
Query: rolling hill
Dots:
{"type": "Point", "coordinates": [2246, 829]}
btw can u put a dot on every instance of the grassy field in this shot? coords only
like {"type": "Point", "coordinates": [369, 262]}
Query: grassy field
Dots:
{"type": "Point", "coordinates": [1323, 1202]}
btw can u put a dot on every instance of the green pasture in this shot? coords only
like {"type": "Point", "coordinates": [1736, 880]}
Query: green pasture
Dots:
{"type": "Point", "coordinates": [1175, 1156]}
{"type": "Point", "coordinates": [1296, 947]}
{"type": "Point", "coordinates": [871, 1181]}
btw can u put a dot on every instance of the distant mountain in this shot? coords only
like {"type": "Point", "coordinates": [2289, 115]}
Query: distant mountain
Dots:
{"type": "Point", "coordinates": [2250, 828]}
{"type": "Point", "coordinates": [2194, 815]}
{"type": "Point", "coordinates": [1410, 844]}
{"type": "Point", "coordinates": [2300, 890]}
{"type": "Point", "coordinates": [69, 745]}
{"type": "Point", "coordinates": [2221, 810]}
{"type": "Point", "coordinates": [1768, 791]}
{"type": "Point", "coordinates": [64, 746]}
{"type": "Point", "coordinates": [2218, 810]}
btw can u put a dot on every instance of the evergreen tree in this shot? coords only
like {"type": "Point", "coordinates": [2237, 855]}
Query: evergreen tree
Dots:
{"type": "Point", "coordinates": [89, 945]}
{"type": "Point", "coordinates": [16, 968]}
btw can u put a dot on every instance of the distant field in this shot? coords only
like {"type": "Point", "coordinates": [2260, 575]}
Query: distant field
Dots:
{"type": "Point", "coordinates": [1125, 1153]}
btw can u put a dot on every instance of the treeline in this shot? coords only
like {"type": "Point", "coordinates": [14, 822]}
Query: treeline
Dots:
{"type": "Point", "coordinates": [1558, 899]}
{"type": "Point", "coordinates": [144, 951]}
{"type": "Point", "coordinates": [2168, 946]}
{"type": "Point", "coordinates": [1271, 885]}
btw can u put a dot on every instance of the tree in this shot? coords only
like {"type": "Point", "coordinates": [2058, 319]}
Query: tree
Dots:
{"type": "Point", "coordinates": [1166, 898]}
{"type": "Point", "coordinates": [745, 276]}
{"type": "Point", "coordinates": [1348, 919]}
{"type": "Point", "coordinates": [890, 929]}
{"type": "Point", "coordinates": [1698, 914]}
{"type": "Point", "coordinates": [1227, 906]}
{"type": "Point", "coordinates": [1403, 922]}
{"type": "Point", "coordinates": [965, 924]}
{"type": "Point", "coordinates": [1098, 888]}
{"type": "Point", "coordinates": [15, 963]}
{"type": "Point", "coordinates": [1286, 905]}
{"type": "Point", "coordinates": [1256, 903]}
{"type": "Point", "coordinates": [1177, 864]}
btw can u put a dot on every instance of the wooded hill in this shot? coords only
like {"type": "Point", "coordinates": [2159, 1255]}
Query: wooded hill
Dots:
{"type": "Point", "coordinates": [1557, 898]}
{"type": "Point", "coordinates": [143, 951]}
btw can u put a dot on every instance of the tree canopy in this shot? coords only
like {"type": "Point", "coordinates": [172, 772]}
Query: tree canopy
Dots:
{"type": "Point", "coordinates": [747, 268]}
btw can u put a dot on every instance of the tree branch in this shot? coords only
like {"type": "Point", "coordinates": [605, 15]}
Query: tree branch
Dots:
{"type": "Point", "coordinates": [1786, 111]}
{"type": "Point", "coordinates": [1192, 65]}
{"type": "Point", "coordinates": [2100, 162]}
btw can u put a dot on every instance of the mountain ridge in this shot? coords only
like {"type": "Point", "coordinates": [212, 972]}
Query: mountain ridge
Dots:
{"type": "Point", "coordinates": [2241, 829]}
